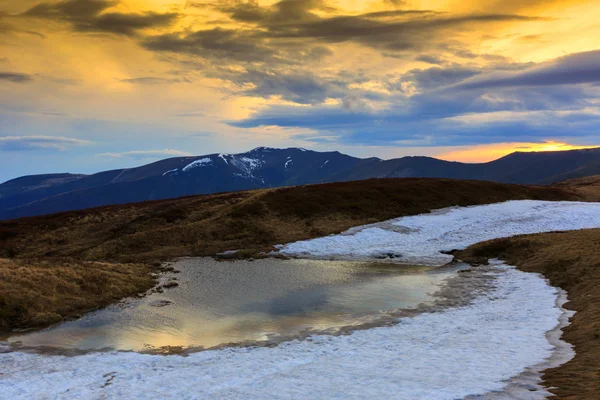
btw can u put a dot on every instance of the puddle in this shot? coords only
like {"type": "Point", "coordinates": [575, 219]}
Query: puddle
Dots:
{"type": "Point", "coordinates": [217, 303]}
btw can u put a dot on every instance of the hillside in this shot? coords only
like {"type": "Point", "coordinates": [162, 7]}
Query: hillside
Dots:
{"type": "Point", "coordinates": [588, 186]}
{"type": "Point", "coordinates": [268, 168]}
{"type": "Point", "coordinates": [59, 265]}
{"type": "Point", "coordinates": [570, 261]}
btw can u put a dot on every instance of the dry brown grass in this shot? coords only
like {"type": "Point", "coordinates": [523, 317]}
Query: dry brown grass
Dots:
{"type": "Point", "coordinates": [570, 260]}
{"type": "Point", "coordinates": [588, 187]}
{"type": "Point", "coordinates": [43, 292]}
{"type": "Point", "coordinates": [150, 232]}
{"type": "Point", "coordinates": [205, 225]}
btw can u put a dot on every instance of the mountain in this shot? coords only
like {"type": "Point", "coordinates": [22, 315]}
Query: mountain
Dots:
{"type": "Point", "coordinates": [268, 168]}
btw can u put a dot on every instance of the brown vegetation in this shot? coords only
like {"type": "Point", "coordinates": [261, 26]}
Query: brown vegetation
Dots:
{"type": "Point", "coordinates": [588, 187]}
{"type": "Point", "coordinates": [570, 260]}
{"type": "Point", "coordinates": [99, 241]}
{"type": "Point", "coordinates": [43, 292]}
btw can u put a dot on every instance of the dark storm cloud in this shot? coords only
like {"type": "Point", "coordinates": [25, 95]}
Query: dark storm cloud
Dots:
{"type": "Point", "coordinates": [90, 16]}
{"type": "Point", "coordinates": [572, 69]}
{"type": "Point", "coordinates": [15, 77]}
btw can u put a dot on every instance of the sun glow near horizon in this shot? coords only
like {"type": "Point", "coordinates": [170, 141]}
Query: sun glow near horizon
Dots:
{"type": "Point", "coordinates": [491, 152]}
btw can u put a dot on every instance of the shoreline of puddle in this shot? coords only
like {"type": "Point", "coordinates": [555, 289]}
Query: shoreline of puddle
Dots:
{"type": "Point", "coordinates": [458, 290]}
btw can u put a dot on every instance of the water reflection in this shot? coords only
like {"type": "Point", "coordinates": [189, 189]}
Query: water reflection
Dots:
{"type": "Point", "coordinates": [225, 302]}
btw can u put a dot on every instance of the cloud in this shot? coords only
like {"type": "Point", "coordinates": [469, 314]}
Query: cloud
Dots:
{"type": "Point", "coordinates": [568, 70]}
{"type": "Point", "coordinates": [447, 117]}
{"type": "Point", "coordinates": [270, 29]}
{"type": "Point", "coordinates": [152, 80]}
{"type": "Point", "coordinates": [300, 87]}
{"type": "Point", "coordinates": [436, 77]}
{"type": "Point", "coordinates": [217, 43]}
{"type": "Point", "coordinates": [282, 12]}
{"type": "Point", "coordinates": [430, 59]}
{"type": "Point", "coordinates": [144, 154]}
{"type": "Point", "coordinates": [21, 143]}
{"type": "Point", "coordinates": [279, 50]}
{"type": "Point", "coordinates": [15, 77]}
{"type": "Point", "coordinates": [91, 16]}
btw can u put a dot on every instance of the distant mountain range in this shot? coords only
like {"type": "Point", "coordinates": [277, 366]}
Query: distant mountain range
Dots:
{"type": "Point", "coordinates": [267, 168]}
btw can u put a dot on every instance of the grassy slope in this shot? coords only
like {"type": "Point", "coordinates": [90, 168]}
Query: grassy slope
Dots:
{"type": "Point", "coordinates": [570, 260]}
{"type": "Point", "coordinates": [63, 264]}
{"type": "Point", "coordinates": [205, 225]}
{"type": "Point", "coordinates": [43, 292]}
{"type": "Point", "coordinates": [588, 187]}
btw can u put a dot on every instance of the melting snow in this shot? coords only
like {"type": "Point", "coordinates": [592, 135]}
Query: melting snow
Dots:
{"type": "Point", "coordinates": [446, 355]}
{"type": "Point", "coordinates": [458, 352]}
{"type": "Point", "coordinates": [419, 239]}
{"type": "Point", "coordinates": [198, 163]}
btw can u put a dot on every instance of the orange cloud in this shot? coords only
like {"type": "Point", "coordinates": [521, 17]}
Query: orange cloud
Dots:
{"type": "Point", "coordinates": [484, 153]}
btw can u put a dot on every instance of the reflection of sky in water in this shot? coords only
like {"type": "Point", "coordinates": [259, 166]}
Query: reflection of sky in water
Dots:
{"type": "Point", "coordinates": [223, 302]}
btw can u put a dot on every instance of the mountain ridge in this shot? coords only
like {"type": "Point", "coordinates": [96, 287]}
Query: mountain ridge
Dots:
{"type": "Point", "coordinates": [266, 167]}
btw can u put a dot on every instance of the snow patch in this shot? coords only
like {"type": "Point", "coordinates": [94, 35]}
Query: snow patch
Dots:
{"type": "Point", "coordinates": [222, 156]}
{"type": "Point", "coordinates": [171, 172]}
{"type": "Point", "coordinates": [325, 163]}
{"type": "Point", "coordinates": [420, 238]}
{"type": "Point", "coordinates": [287, 163]}
{"type": "Point", "coordinates": [246, 164]}
{"type": "Point", "coordinates": [198, 163]}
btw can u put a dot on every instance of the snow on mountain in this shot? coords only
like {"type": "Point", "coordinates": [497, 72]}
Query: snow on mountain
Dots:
{"type": "Point", "coordinates": [246, 164]}
{"type": "Point", "coordinates": [170, 172]}
{"type": "Point", "coordinates": [198, 163]}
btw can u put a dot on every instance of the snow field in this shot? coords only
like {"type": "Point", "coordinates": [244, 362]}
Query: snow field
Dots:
{"type": "Point", "coordinates": [420, 238]}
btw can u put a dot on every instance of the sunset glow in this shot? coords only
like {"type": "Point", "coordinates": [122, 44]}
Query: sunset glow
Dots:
{"type": "Point", "coordinates": [467, 80]}
{"type": "Point", "coordinates": [484, 153]}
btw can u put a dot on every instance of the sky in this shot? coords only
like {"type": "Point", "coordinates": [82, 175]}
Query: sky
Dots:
{"type": "Point", "coordinates": [90, 85]}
